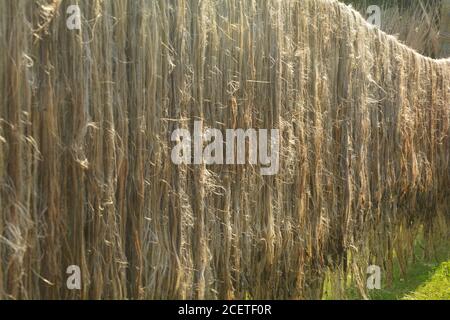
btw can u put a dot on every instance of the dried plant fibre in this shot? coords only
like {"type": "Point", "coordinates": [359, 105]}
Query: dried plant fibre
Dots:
{"type": "Point", "coordinates": [86, 176]}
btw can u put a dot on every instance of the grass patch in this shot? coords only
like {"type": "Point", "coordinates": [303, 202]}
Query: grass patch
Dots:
{"type": "Point", "coordinates": [425, 280]}
{"type": "Point", "coordinates": [436, 288]}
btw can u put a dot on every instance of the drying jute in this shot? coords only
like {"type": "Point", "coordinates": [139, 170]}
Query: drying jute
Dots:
{"type": "Point", "coordinates": [87, 179]}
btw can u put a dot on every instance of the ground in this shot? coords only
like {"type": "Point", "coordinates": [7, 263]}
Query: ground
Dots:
{"type": "Point", "coordinates": [424, 281]}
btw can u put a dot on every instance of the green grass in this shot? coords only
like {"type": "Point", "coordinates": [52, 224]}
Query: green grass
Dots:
{"type": "Point", "coordinates": [425, 280]}
{"type": "Point", "coordinates": [436, 288]}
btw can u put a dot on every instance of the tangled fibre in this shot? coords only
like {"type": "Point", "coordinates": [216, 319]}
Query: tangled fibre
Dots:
{"type": "Point", "coordinates": [86, 176]}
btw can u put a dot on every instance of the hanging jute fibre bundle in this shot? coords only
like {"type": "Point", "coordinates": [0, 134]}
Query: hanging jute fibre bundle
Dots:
{"type": "Point", "coordinates": [86, 176]}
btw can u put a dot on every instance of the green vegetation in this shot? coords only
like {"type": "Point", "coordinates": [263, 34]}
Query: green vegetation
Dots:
{"type": "Point", "coordinates": [425, 278]}
{"type": "Point", "coordinates": [424, 281]}
{"type": "Point", "coordinates": [436, 288]}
